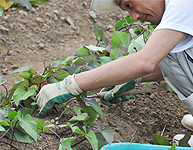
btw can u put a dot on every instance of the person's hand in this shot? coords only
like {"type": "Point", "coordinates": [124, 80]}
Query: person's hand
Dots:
{"type": "Point", "coordinates": [57, 93]}
{"type": "Point", "coordinates": [112, 95]}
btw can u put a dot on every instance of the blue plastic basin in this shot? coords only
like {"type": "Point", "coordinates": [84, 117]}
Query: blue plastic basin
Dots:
{"type": "Point", "coordinates": [137, 146]}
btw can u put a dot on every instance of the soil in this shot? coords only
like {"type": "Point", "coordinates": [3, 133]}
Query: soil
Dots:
{"type": "Point", "coordinates": [56, 30]}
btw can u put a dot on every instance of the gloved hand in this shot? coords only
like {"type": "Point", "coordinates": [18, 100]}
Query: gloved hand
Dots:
{"type": "Point", "coordinates": [57, 93]}
{"type": "Point", "coordinates": [111, 97]}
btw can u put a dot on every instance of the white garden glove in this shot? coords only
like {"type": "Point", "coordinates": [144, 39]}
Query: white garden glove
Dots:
{"type": "Point", "coordinates": [57, 93]}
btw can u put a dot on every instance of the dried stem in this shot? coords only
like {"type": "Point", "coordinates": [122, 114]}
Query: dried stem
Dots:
{"type": "Point", "coordinates": [9, 144]}
{"type": "Point", "coordinates": [46, 139]}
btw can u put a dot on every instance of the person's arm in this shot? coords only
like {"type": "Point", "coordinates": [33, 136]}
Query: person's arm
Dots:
{"type": "Point", "coordinates": [154, 76]}
{"type": "Point", "coordinates": [131, 66]}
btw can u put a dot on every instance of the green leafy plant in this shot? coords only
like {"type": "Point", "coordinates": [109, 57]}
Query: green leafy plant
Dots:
{"type": "Point", "coordinates": [18, 104]}
{"type": "Point", "coordinates": [160, 140]}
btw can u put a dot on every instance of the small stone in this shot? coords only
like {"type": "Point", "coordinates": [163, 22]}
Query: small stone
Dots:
{"type": "Point", "coordinates": [47, 14]}
{"type": "Point", "coordinates": [55, 17]}
{"type": "Point", "coordinates": [4, 71]}
{"type": "Point", "coordinates": [23, 13]}
{"type": "Point", "coordinates": [139, 123]}
{"type": "Point", "coordinates": [117, 130]}
{"type": "Point", "coordinates": [56, 12]}
{"type": "Point", "coordinates": [84, 4]}
{"type": "Point", "coordinates": [38, 19]}
{"type": "Point", "coordinates": [3, 28]}
{"type": "Point", "coordinates": [40, 46]}
{"type": "Point", "coordinates": [33, 9]}
{"type": "Point", "coordinates": [14, 67]}
{"type": "Point", "coordinates": [62, 18]}
{"type": "Point", "coordinates": [152, 96]}
{"type": "Point", "coordinates": [57, 122]}
{"type": "Point", "coordinates": [154, 114]}
{"type": "Point", "coordinates": [13, 9]}
{"type": "Point", "coordinates": [6, 17]}
{"type": "Point", "coordinates": [110, 27]}
{"type": "Point", "coordinates": [70, 21]}
{"type": "Point", "coordinates": [93, 15]}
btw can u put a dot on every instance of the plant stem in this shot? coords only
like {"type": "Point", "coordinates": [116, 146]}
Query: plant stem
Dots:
{"type": "Point", "coordinates": [5, 133]}
{"type": "Point", "coordinates": [6, 93]}
{"type": "Point", "coordinates": [79, 142]}
{"type": "Point", "coordinates": [46, 139]}
{"type": "Point", "coordinates": [9, 144]}
{"type": "Point", "coordinates": [18, 142]}
{"type": "Point", "coordinates": [55, 133]}
{"type": "Point", "coordinates": [67, 108]}
{"type": "Point", "coordinates": [51, 145]}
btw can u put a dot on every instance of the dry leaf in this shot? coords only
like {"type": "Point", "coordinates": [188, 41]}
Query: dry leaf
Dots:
{"type": "Point", "coordinates": [5, 4]}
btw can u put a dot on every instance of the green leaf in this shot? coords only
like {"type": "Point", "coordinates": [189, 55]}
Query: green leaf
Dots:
{"type": "Point", "coordinates": [38, 79]}
{"type": "Point", "coordinates": [136, 45]}
{"type": "Point", "coordinates": [84, 128]}
{"type": "Point", "coordinates": [28, 125]}
{"type": "Point", "coordinates": [61, 62]}
{"type": "Point", "coordinates": [1, 13]}
{"type": "Point", "coordinates": [93, 103]}
{"type": "Point", "coordinates": [26, 75]}
{"type": "Point", "coordinates": [25, 111]}
{"type": "Point", "coordinates": [34, 103]}
{"type": "Point", "coordinates": [15, 86]}
{"type": "Point", "coordinates": [66, 143]}
{"type": "Point", "coordinates": [79, 61]}
{"type": "Point", "coordinates": [120, 38]}
{"type": "Point", "coordinates": [40, 125]}
{"type": "Point", "coordinates": [80, 116]}
{"type": "Point", "coordinates": [5, 123]}
{"type": "Point", "coordinates": [95, 48]}
{"type": "Point", "coordinates": [160, 140]}
{"type": "Point", "coordinates": [12, 115]}
{"type": "Point", "coordinates": [66, 110]}
{"type": "Point", "coordinates": [73, 69]}
{"type": "Point", "coordinates": [2, 114]}
{"type": "Point", "coordinates": [184, 141]}
{"type": "Point", "coordinates": [82, 51]}
{"type": "Point", "coordinates": [101, 140]}
{"type": "Point", "coordinates": [21, 94]}
{"type": "Point", "coordinates": [92, 139]}
{"type": "Point", "coordinates": [21, 69]}
{"type": "Point", "coordinates": [2, 128]}
{"type": "Point", "coordinates": [100, 36]}
{"type": "Point", "coordinates": [114, 53]}
{"type": "Point", "coordinates": [35, 2]}
{"type": "Point", "coordinates": [90, 111]}
{"type": "Point", "coordinates": [77, 130]}
{"type": "Point", "coordinates": [125, 21]}
{"type": "Point", "coordinates": [107, 133]}
{"type": "Point", "coordinates": [173, 147]}
{"type": "Point", "coordinates": [61, 74]}
{"type": "Point", "coordinates": [20, 136]}
{"type": "Point", "coordinates": [105, 59]}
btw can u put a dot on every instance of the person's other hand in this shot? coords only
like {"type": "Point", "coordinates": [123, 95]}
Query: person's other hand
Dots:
{"type": "Point", "coordinates": [57, 93]}
{"type": "Point", "coordinates": [112, 95]}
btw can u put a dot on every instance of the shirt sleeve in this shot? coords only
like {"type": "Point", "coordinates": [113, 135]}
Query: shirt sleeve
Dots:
{"type": "Point", "coordinates": [178, 16]}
